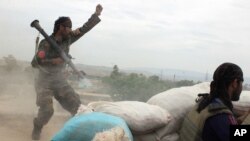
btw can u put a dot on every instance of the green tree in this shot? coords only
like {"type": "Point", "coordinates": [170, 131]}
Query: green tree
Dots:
{"type": "Point", "coordinates": [115, 73]}
{"type": "Point", "coordinates": [135, 86]}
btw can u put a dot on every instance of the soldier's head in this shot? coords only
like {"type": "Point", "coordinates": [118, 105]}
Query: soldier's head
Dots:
{"type": "Point", "coordinates": [226, 85]}
{"type": "Point", "coordinates": [63, 25]}
{"type": "Point", "coordinates": [227, 82]}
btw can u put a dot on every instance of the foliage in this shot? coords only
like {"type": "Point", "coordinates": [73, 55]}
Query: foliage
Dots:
{"type": "Point", "coordinates": [135, 86]}
{"type": "Point", "coordinates": [184, 83]}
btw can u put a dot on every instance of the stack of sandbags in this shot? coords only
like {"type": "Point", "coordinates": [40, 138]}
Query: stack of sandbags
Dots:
{"type": "Point", "coordinates": [177, 102]}
{"type": "Point", "coordinates": [84, 127]}
{"type": "Point", "coordinates": [166, 133]}
{"type": "Point", "coordinates": [141, 117]}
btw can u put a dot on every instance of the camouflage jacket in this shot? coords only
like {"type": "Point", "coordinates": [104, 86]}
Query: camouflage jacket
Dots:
{"type": "Point", "coordinates": [194, 122]}
{"type": "Point", "coordinates": [50, 53]}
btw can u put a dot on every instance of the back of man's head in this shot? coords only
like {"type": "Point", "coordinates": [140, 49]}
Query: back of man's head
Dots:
{"type": "Point", "coordinates": [223, 76]}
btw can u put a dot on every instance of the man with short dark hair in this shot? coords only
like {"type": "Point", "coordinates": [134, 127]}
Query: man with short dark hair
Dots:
{"type": "Point", "coordinates": [211, 117]}
{"type": "Point", "coordinates": [51, 81]}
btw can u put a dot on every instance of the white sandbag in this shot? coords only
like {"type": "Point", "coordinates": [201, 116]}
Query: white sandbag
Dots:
{"type": "Point", "coordinates": [153, 137]}
{"type": "Point", "coordinates": [82, 109]}
{"type": "Point", "coordinates": [114, 134]}
{"type": "Point", "coordinates": [171, 137]}
{"type": "Point", "coordinates": [170, 128]}
{"type": "Point", "coordinates": [146, 137]}
{"type": "Point", "coordinates": [140, 117]}
{"type": "Point", "coordinates": [160, 133]}
{"type": "Point", "coordinates": [178, 101]}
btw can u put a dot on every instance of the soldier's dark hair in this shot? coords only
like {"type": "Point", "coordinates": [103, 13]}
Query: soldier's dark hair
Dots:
{"type": "Point", "coordinates": [61, 21]}
{"type": "Point", "coordinates": [223, 76]}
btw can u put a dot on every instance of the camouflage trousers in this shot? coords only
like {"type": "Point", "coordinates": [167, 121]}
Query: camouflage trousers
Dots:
{"type": "Point", "coordinates": [56, 86]}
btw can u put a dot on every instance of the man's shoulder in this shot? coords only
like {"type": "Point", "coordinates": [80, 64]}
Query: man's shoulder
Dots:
{"type": "Point", "coordinates": [44, 42]}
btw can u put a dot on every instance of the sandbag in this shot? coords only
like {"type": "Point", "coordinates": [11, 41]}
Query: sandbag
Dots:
{"type": "Point", "coordinates": [83, 109]}
{"type": "Point", "coordinates": [141, 117]}
{"type": "Point", "coordinates": [114, 134]}
{"type": "Point", "coordinates": [170, 128]}
{"type": "Point", "coordinates": [171, 137]}
{"type": "Point", "coordinates": [146, 137]}
{"type": "Point", "coordinates": [153, 137]}
{"type": "Point", "coordinates": [160, 133]}
{"type": "Point", "coordinates": [84, 127]}
{"type": "Point", "coordinates": [178, 101]}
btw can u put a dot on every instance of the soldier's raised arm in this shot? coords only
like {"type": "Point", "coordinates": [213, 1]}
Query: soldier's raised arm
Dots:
{"type": "Point", "coordinates": [92, 21]}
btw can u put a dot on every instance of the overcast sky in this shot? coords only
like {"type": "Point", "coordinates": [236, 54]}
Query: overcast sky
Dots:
{"type": "Point", "coordinates": [179, 34]}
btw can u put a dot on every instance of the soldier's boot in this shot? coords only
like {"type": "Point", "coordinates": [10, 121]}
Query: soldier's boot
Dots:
{"type": "Point", "coordinates": [36, 131]}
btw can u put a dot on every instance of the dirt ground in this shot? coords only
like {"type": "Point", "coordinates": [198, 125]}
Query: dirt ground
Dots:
{"type": "Point", "coordinates": [18, 108]}
{"type": "Point", "coordinates": [16, 116]}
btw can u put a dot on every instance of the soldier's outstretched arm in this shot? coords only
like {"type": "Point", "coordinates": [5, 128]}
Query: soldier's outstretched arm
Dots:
{"type": "Point", "coordinates": [92, 21]}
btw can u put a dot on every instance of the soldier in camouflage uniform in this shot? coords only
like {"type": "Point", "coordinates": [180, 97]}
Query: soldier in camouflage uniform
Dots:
{"type": "Point", "coordinates": [51, 81]}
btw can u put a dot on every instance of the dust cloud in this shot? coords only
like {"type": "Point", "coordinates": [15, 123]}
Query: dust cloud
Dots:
{"type": "Point", "coordinates": [18, 106]}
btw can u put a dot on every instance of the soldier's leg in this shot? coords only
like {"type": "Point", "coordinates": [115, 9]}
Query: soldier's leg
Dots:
{"type": "Point", "coordinates": [68, 98]}
{"type": "Point", "coordinates": [45, 102]}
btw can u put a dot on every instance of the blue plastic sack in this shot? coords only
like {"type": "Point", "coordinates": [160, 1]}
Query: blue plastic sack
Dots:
{"type": "Point", "coordinates": [84, 127]}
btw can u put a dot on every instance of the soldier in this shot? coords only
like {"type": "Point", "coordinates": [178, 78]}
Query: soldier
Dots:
{"type": "Point", "coordinates": [51, 81]}
{"type": "Point", "coordinates": [210, 119]}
